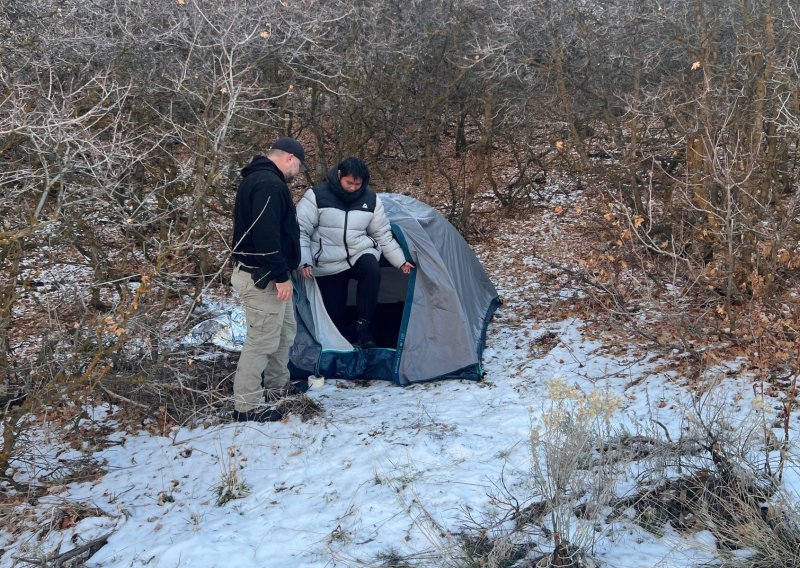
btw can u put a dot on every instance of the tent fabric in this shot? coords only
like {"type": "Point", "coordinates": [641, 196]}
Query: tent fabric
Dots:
{"type": "Point", "coordinates": [447, 304]}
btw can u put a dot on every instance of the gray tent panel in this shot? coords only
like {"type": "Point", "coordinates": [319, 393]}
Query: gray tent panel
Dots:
{"type": "Point", "coordinates": [315, 330]}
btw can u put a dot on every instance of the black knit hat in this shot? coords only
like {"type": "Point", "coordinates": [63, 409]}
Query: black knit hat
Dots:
{"type": "Point", "coordinates": [293, 147]}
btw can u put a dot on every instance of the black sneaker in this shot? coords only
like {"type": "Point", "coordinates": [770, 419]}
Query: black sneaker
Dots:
{"type": "Point", "coordinates": [264, 415]}
{"type": "Point", "coordinates": [364, 335]}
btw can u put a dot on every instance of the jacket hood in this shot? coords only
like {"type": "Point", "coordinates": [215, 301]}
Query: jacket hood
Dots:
{"type": "Point", "coordinates": [261, 164]}
{"type": "Point", "coordinates": [336, 187]}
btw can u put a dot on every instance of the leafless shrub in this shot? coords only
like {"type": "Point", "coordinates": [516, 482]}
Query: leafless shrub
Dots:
{"type": "Point", "coordinates": [721, 475]}
{"type": "Point", "coordinates": [571, 473]}
{"type": "Point", "coordinates": [555, 520]}
{"type": "Point", "coordinates": [230, 485]}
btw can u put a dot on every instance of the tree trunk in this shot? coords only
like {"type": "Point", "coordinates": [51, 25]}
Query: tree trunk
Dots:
{"type": "Point", "coordinates": [559, 72]}
{"type": "Point", "coordinates": [11, 254]}
{"type": "Point", "coordinates": [481, 159]}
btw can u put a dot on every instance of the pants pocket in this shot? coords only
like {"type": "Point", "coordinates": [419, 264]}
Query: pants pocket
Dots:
{"type": "Point", "coordinates": [259, 318]}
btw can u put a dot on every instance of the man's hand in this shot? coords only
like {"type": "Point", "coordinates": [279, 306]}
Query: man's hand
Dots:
{"type": "Point", "coordinates": [407, 267]}
{"type": "Point", "coordinates": [306, 271]}
{"type": "Point", "coordinates": [284, 290]}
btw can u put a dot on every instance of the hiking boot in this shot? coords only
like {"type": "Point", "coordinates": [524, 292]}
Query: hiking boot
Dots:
{"type": "Point", "coordinates": [263, 415]}
{"type": "Point", "coordinates": [364, 335]}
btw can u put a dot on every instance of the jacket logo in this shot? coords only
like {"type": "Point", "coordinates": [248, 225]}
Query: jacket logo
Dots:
{"type": "Point", "coordinates": [364, 206]}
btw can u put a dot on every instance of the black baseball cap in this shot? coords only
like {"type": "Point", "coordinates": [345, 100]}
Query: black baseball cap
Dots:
{"type": "Point", "coordinates": [292, 146]}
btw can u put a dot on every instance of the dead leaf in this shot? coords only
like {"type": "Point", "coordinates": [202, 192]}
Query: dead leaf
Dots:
{"type": "Point", "coordinates": [696, 65]}
{"type": "Point", "coordinates": [66, 522]}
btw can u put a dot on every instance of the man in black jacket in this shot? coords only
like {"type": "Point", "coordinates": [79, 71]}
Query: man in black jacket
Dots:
{"type": "Point", "coordinates": [266, 247]}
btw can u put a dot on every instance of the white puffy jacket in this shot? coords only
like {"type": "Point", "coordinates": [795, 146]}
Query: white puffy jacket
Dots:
{"type": "Point", "coordinates": [334, 233]}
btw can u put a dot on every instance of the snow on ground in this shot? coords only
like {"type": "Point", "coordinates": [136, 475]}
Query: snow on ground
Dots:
{"type": "Point", "coordinates": [386, 472]}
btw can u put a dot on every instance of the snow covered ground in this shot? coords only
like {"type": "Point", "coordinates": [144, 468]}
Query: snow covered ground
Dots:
{"type": "Point", "coordinates": [386, 474]}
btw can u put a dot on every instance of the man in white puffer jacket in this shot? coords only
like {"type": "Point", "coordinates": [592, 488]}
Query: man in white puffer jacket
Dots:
{"type": "Point", "coordinates": [343, 232]}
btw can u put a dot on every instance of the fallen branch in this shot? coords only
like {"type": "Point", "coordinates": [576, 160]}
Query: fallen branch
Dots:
{"type": "Point", "coordinates": [91, 546]}
{"type": "Point", "coordinates": [122, 398]}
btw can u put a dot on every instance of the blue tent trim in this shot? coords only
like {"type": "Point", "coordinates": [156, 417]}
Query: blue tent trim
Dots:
{"type": "Point", "coordinates": [412, 280]}
{"type": "Point", "coordinates": [493, 307]}
{"type": "Point", "coordinates": [357, 364]}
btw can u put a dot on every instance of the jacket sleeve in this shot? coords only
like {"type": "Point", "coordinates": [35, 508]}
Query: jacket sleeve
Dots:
{"type": "Point", "coordinates": [268, 210]}
{"type": "Point", "coordinates": [308, 220]}
{"type": "Point", "coordinates": [380, 230]}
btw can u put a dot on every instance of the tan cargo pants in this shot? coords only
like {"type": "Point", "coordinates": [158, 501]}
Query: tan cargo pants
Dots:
{"type": "Point", "coordinates": [271, 328]}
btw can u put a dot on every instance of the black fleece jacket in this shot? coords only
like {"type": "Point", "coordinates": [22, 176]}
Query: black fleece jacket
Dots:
{"type": "Point", "coordinates": [265, 231]}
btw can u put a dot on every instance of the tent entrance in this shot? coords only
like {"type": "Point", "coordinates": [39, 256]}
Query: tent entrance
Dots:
{"type": "Point", "coordinates": [430, 324]}
{"type": "Point", "coordinates": [391, 304]}
{"type": "Point", "coordinates": [387, 327]}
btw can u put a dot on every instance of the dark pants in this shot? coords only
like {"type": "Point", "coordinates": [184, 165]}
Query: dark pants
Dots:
{"type": "Point", "coordinates": [367, 272]}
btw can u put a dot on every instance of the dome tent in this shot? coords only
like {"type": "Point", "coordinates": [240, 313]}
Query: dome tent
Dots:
{"type": "Point", "coordinates": [429, 325]}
